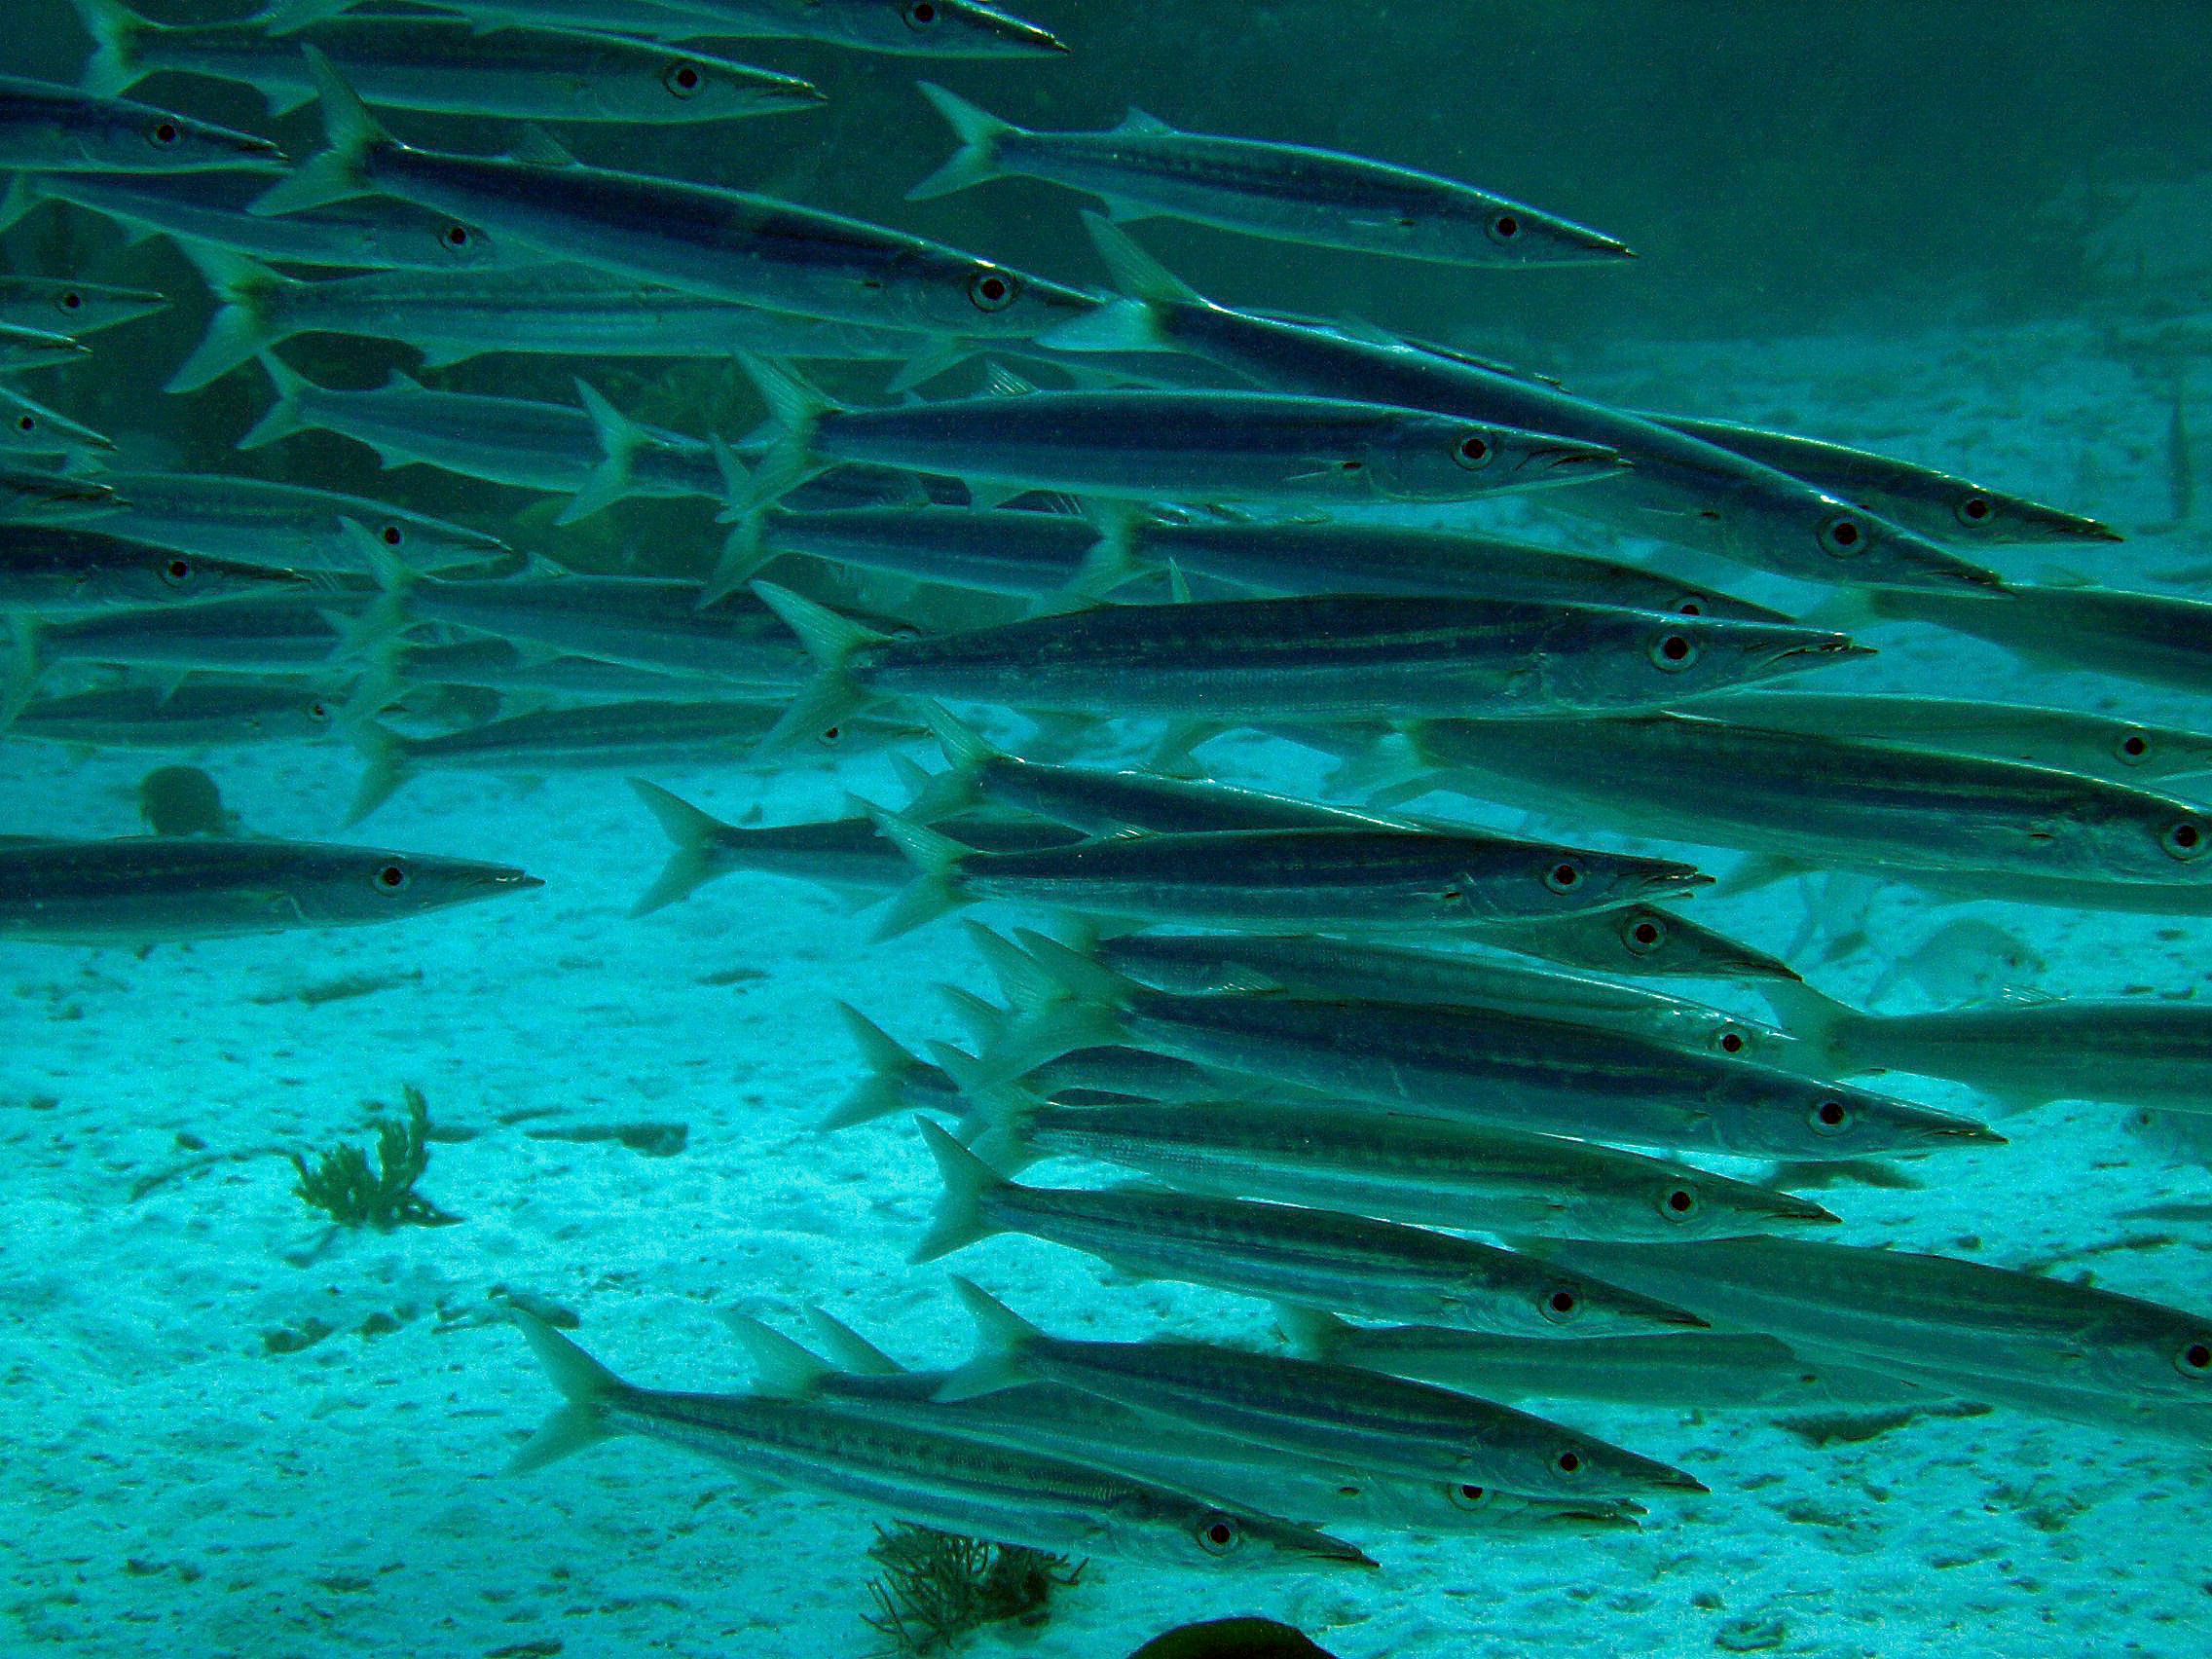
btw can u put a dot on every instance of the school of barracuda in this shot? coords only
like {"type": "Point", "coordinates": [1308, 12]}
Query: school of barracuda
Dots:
{"type": "Point", "coordinates": [1431, 1090]}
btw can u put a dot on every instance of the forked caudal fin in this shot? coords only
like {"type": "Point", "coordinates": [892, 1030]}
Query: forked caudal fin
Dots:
{"type": "Point", "coordinates": [1001, 1336]}
{"type": "Point", "coordinates": [960, 1220]}
{"type": "Point", "coordinates": [585, 1384]}
{"type": "Point", "coordinates": [831, 697]}
{"type": "Point", "coordinates": [976, 159]}
{"type": "Point", "coordinates": [691, 833]}
{"type": "Point", "coordinates": [935, 887]}
{"type": "Point", "coordinates": [341, 170]}
{"type": "Point", "coordinates": [882, 1094]}
{"type": "Point", "coordinates": [244, 325]}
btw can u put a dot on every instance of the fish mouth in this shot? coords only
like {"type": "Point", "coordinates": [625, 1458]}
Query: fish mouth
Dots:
{"type": "Point", "coordinates": [1805, 1214]}
{"type": "Point", "coordinates": [1337, 1553]}
{"type": "Point", "coordinates": [1965, 1131]}
{"type": "Point", "coordinates": [1657, 1314]}
{"type": "Point", "coordinates": [1681, 1479]}
{"type": "Point", "coordinates": [510, 881]}
{"type": "Point", "coordinates": [1664, 882]}
{"type": "Point", "coordinates": [1835, 647]}
{"type": "Point", "coordinates": [1569, 463]}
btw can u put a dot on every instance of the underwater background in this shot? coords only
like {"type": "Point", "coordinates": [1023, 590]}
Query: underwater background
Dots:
{"type": "Point", "coordinates": [1975, 236]}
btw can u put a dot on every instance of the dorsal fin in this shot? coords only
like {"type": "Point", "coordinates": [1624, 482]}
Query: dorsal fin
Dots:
{"type": "Point", "coordinates": [541, 149]}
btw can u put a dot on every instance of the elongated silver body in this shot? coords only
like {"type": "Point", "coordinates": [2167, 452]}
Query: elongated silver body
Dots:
{"type": "Point", "coordinates": [1935, 503]}
{"type": "Point", "coordinates": [1203, 964]}
{"type": "Point", "coordinates": [58, 569]}
{"type": "Point", "coordinates": [1316, 1258]}
{"type": "Point", "coordinates": [143, 889]}
{"type": "Point", "coordinates": [944, 1480]}
{"type": "Point", "coordinates": [227, 515]}
{"type": "Point", "coordinates": [2158, 638]}
{"type": "Point", "coordinates": [1829, 802]}
{"type": "Point", "coordinates": [201, 714]}
{"type": "Point", "coordinates": [240, 636]}
{"type": "Point", "coordinates": [1290, 192]}
{"type": "Point", "coordinates": [70, 307]}
{"type": "Point", "coordinates": [1023, 554]}
{"type": "Point", "coordinates": [46, 127]}
{"type": "Point", "coordinates": [2120, 751]}
{"type": "Point", "coordinates": [370, 233]}
{"type": "Point", "coordinates": [1933, 1314]}
{"type": "Point", "coordinates": [1418, 1170]}
{"type": "Point", "coordinates": [448, 65]}
{"type": "Point", "coordinates": [943, 28]}
{"type": "Point", "coordinates": [1693, 1371]}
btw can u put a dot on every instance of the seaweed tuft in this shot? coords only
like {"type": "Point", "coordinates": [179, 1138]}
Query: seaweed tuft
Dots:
{"type": "Point", "coordinates": [938, 1588]}
{"type": "Point", "coordinates": [342, 1185]}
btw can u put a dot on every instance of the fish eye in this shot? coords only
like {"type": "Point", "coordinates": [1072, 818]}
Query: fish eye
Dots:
{"type": "Point", "coordinates": [1644, 935]}
{"type": "Point", "coordinates": [1670, 653]}
{"type": "Point", "coordinates": [1564, 876]}
{"type": "Point", "coordinates": [27, 424]}
{"type": "Point", "coordinates": [70, 301]}
{"type": "Point", "coordinates": [176, 572]}
{"type": "Point", "coordinates": [1975, 510]}
{"type": "Point", "coordinates": [921, 15]}
{"type": "Point", "coordinates": [992, 290]}
{"type": "Point", "coordinates": [318, 710]}
{"type": "Point", "coordinates": [1504, 226]}
{"type": "Point", "coordinates": [1731, 1042]}
{"type": "Point", "coordinates": [392, 536]}
{"type": "Point", "coordinates": [392, 878]}
{"type": "Point", "coordinates": [1844, 536]}
{"type": "Point", "coordinates": [683, 79]}
{"type": "Point", "coordinates": [1473, 452]}
{"type": "Point", "coordinates": [1465, 1495]}
{"type": "Point", "coordinates": [1218, 1533]}
{"type": "Point", "coordinates": [1692, 607]}
{"type": "Point", "coordinates": [1562, 1303]}
{"type": "Point", "coordinates": [2133, 749]}
{"type": "Point", "coordinates": [1830, 1118]}
{"type": "Point", "coordinates": [163, 134]}
{"type": "Point", "coordinates": [2194, 1360]}
{"type": "Point", "coordinates": [1569, 1462]}
{"type": "Point", "coordinates": [832, 734]}
{"type": "Point", "coordinates": [2184, 840]}
{"type": "Point", "coordinates": [1680, 1204]}
{"type": "Point", "coordinates": [457, 236]}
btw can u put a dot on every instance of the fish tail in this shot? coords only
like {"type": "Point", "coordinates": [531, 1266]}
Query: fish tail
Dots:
{"type": "Point", "coordinates": [619, 440]}
{"type": "Point", "coordinates": [286, 416]}
{"type": "Point", "coordinates": [1113, 559]}
{"type": "Point", "coordinates": [22, 197]}
{"type": "Point", "coordinates": [966, 753]}
{"type": "Point", "coordinates": [1061, 999]}
{"type": "Point", "coordinates": [386, 753]}
{"type": "Point", "coordinates": [934, 889]}
{"type": "Point", "coordinates": [883, 1093]}
{"type": "Point", "coordinates": [24, 667]}
{"type": "Point", "coordinates": [983, 1020]}
{"type": "Point", "coordinates": [690, 834]}
{"type": "Point", "coordinates": [243, 327]}
{"type": "Point", "coordinates": [382, 622]}
{"type": "Point", "coordinates": [1001, 1335]}
{"type": "Point", "coordinates": [797, 408]}
{"type": "Point", "coordinates": [960, 1220]}
{"type": "Point", "coordinates": [741, 557]}
{"type": "Point", "coordinates": [1812, 1016]}
{"type": "Point", "coordinates": [781, 1368]}
{"type": "Point", "coordinates": [341, 170]}
{"type": "Point", "coordinates": [585, 1385]}
{"type": "Point", "coordinates": [847, 1348]}
{"type": "Point", "coordinates": [111, 70]}
{"type": "Point", "coordinates": [832, 696]}
{"type": "Point", "coordinates": [1135, 320]}
{"type": "Point", "coordinates": [978, 157]}
{"type": "Point", "coordinates": [998, 1115]}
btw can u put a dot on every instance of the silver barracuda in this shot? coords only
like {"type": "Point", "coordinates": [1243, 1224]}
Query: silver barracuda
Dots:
{"type": "Point", "coordinates": [58, 569]}
{"type": "Point", "coordinates": [1932, 1314]}
{"type": "Point", "coordinates": [1476, 1065]}
{"type": "Point", "coordinates": [29, 428]}
{"type": "Point", "coordinates": [145, 890]}
{"type": "Point", "coordinates": [2069, 740]}
{"type": "Point", "coordinates": [22, 349]}
{"type": "Point", "coordinates": [1825, 802]}
{"type": "Point", "coordinates": [1679, 488]}
{"type": "Point", "coordinates": [32, 493]}
{"type": "Point", "coordinates": [937, 1478]}
{"type": "Point", "coordinates": [1349, 1264]}
{"type": "Point", "coordinates": [46, 127]}
{"type": "Point", "coordinates": [445, 64]}
{"type": "Point", "coordinates": [1290, 192]}
{"type": "Point", "coordinates": [1639, 940]}
{"type": "Point", "coordinates": [1329, 656]}
{"type": "Point", "coordinates": [1337, 1411]}
{"type": "Point", "coordinates": [723, 243]}
{"type": "Point", "coordinates": [225, 515]}
{"type": "Point", "coordinates": [70, 307]}
{"type": "Point", "coordinates": [1023, 554]}
{"type": "Point", "coordinates": [205, 713]}
{"type": "Point", "coordinates": [250, 635]}
{"type": "Point", "coordinates": [1936, 504]}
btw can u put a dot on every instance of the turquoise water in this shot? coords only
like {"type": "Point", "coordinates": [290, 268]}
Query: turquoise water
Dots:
{"type": "Point", "coordinates": [1974, 236]}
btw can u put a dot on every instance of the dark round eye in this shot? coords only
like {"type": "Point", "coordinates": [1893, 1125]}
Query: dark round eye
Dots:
{"type": "Point", "coordinates": [1844, 536]}
{"type": "Point", "coordinates": [1218, 1533]}
{"type": "Point", "coordinates": [1564, 876]}
{"type": "Point", "coordinates": [319, 710]}
{"type": "Point", "coordinates": [1473, 452]}
{"type": "Point", "coordinates": [71, 300]}
{"type": "Point", "coordinates": [920, 15]}
{"type": "Point", "coordinates": [1975, 509]}
{"type": "Point", "coordinates": [1569, 1462]}
{"type": "Point", "coordinates": [1504, 226]}
{"type": "Point", "coordinates": [1691, 607]}
{"type": "Point", "coordinates": [392, 536]}
{"type": "Point", "coordinates": [1670, 653]}
{"type": "Point", "coordinates": [457, 235]}
{"type": "Point", "coordinates": [176, 572]}
{"type": "Point", "coordinates": [683, 79]}
{"type": "Point", "coordinates": [1467, 1495]}
{"type": "Point", "coordinates": [1644, 935]}
{"type": "Point", "coordinates": [391, 877]}
{"type": "Point", "coordinates": [1830, 1118]}
{"type": "Point", "coordinates": [1561, 1305]}
{"type": "Point", "coordinates": [2133, 748]}
{"type": "Point", "coordinates": [991, 290]}
{"type": "Point", "coordinates": [27, 424]}
{"type": "Point", "coordinates": [832, 734]}
{"type": "Point", "coordinates": [163, 134]}
{"type": "Point", "coordinates": [2194, 1360]}
{"type": "Point", "coordinates": [2185, 840]}
{"type": "Point", "coordinates": [1731, 1042]}
{"type": "Point", "coordinates": [1679, 1204]}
